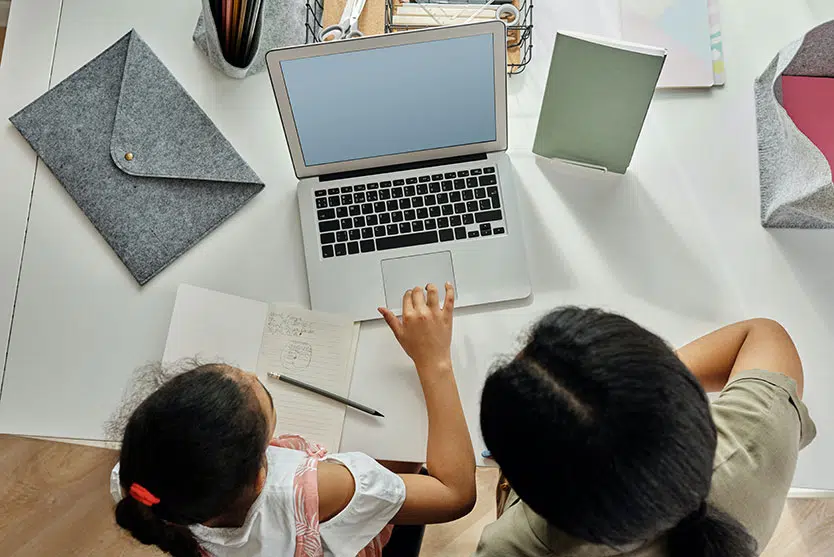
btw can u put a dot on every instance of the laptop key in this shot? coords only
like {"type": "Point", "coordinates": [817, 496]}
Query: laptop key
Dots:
{"type": "Point", "coordinates": [499, 230]}
{"type": "Point", "coordinates": [476, 172]}
{"type": "Point", "coordinates": [373, 186]}
{"type": "Point", "coordinates": [417, 226]}
{"type": "Point", "coordinates": [454, 197]}
{"type": "Point", "coordinates": [447, 235]}
{"type": "Point", "coordinates": [463, 173]}
{"type": "Point", "coordinates": [379, 231]}
{"type": "Point", "coordinates": [384, 194]}
{"type": "Point", "coordinates": [460, 183]}
{"type": "Point", "coordinates": [409, 191]}
{"type": "Point", "coordinates": [442, 198]}
{"type": "Point", "coordinates": [449, 175]}
{"type": "Point", "coordinates": [372, 196]}
{"type": "Point", "coordinates": [447, 210]}
{"type": "Point", "coordinates": [353, 248]}
{"type": "Point", "coordinates": [430, 199]}
{"type": "Point", "coordinates": [396, 192]}
{"type": "Point", "coordinates": [341, 212]}
{"type": "Point", "coordinates": [410, 214]}
{"type": "Point", "coordinates": [446, 185]}
{"type": "Point", "coordinates": [360, 187]}
{"type": "Point", "coordinates": [460, 233]}
{"type": "Point", "coordinates": [366, 246]}
{"type": "Point", "coordinates": [359, 222]}
{"type": "Point", "coordinates": [414, 180]}
{"type": "Point", "coordinates": [468, 194]}
{"type": "Point", "coordinates": [480, 193]}
{"type": "Point", "coordinates": [399, 182]}
{"type": "Point", "coordinates": [485, 227]}
{"type": "Point", "coordinates": [472, 206]}
{"type": "Point", "coordinates": [346, 189]}
{"type": "Point", "coordinates": [431, 224]}
{"type": "Point", "coordinates": [333, 201]}
{"type": "Point", "coordinates": [489, 170]}
{"type": "Point", "coordinates": [359, 197]}
{"type": "Point", "coordinates": [341, 249]}
{"type": "Point", "coordinates": [367, 208]}
{"type": "Point", "coordinates": [392, 229]}
{"type": "Point", "coordinates": [393, 205]}
{"type": "Point", "coordinates": [354, 210]}
{"type": "Point", "coordinates": [437, 176]}
{"type": "Point", "coordinates": [434, 211]}
{"type": "Point", "coordinates": [422, 213]}
{"type": "Point", "coordinates": [367, 233]}
{"type": "Point", "coordinates": [354, 234]}
{"type": "Point", "coordinates": [443, 222]}
{"type": "Point", "coordinates": [327, 251]}
{"type": "Point", "coordinates": [422, 189]}
{"type": "Point", "coordinates": [372, 220]}
{"type": "Point", "coordinates": [434, 187]}
{"type": "Point", "coordinates": [327, 238]}
{"type": "Point", "coordinates": [379, 207]}
{"type": "Point", "coordinates": [406, 240]}
{"type": "Point", "coordinates": [488, 180]}
{"type": "Point", "coordinates": [496, 201]}
{"type": "Point", "coordinates": [333, 191]}
{"type": "Point", "coordinates": [347, 199]}
{"type": "Point", "coordinates": [405, 228]}
{"type": "Point", "coordinates": [460, 208]}
{"type": "Point", "coordinates": [468, 219]}
{"type": "Point", "coordinates": [473, 234]}
{"type": "Point", "coordinates": [472, 182]}
{"type": "Point", "coordinates": [329, 226]}
{"type": "Point", "coordinates": [424, 179]}
{"type": "Point", "coordinates": [488, 216]}
{"type": "Point", "coordinates": [397, 216]}
{"type": "Point", "coordinates": [486, 232]}
{"type": "Point", "coordinates": [321, 193]}
{"type": "Point", "coordinates": [417, 202]}
{"type": "Point", "coordinates": [405, 204]}
{"type": "Point", "coordinates": [455, 220]}
{"type": "Point", "coordinates": [341, 236]}
{"type": "Point", "coordinates": [384, 218]}
{"type": "Point", "coordinates": [346, 224]}
{"type": "Point", "coordinates": [321, 203]}
{"type": "Point", "coordinates": [326, 214]}
{"type": "Point", "coordinates": [484, 205]}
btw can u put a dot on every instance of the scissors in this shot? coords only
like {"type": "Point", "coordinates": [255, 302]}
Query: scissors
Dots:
{"type": "Point", "coordinates": [348, 26]}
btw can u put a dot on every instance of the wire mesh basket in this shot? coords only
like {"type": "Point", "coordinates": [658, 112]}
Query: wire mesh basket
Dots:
{"type": "Point", "coordinates": [520, 34]}
{"type": "Point", "coordinates": [313, 23]}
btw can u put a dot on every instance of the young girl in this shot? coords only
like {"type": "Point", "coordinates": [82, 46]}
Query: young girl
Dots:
{"type": "Point", "coordinates": [199, 473]}
{"type": "Point", "coordinates": [630, 458]}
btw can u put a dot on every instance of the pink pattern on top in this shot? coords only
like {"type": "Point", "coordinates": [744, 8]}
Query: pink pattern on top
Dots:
{"type": "Point", "coordinates": [306, 502]}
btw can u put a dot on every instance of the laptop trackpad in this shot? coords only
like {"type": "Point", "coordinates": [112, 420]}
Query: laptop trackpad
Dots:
{"type": "Point", "coordinates": [404, 273]}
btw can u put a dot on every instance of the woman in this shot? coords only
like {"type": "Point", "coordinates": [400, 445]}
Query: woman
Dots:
{"type": "Point", "coordinates": [609, 446]}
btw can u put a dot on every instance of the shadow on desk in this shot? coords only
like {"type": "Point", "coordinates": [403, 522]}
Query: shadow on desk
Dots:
{"type": "Point", "coordinates": [55, 500]}
{"type": "Point", "coordinates": [643, 251]}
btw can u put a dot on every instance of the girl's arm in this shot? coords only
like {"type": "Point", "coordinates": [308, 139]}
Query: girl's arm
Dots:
{"type": "Point", "coordinates": [754, 344]}
{"type": "Point", "coordinates": [425, 333]}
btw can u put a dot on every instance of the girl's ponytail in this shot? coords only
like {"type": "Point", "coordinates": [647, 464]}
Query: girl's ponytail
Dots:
{"type": "Point", "coordinates": [145, 526]}
{"type": "Point", "coordinates": [710, 532]}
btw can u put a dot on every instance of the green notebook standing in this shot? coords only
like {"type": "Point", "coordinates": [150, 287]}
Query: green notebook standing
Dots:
{"type": "Point", "coordinates": [596, 99]}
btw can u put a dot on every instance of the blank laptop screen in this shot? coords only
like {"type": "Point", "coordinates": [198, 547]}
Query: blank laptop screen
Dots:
{"type": "Point", "coordinates": [393, 100]}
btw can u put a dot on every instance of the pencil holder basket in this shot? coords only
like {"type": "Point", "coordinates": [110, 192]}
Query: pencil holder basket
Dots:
{"type": "Point", "coordinates": [797, 190]}
{"type": "Point", "coordinates": [277, 24]}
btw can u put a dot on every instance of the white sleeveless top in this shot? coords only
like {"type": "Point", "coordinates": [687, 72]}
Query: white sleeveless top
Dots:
{"type": "Point", "coordinates": [270, 528]}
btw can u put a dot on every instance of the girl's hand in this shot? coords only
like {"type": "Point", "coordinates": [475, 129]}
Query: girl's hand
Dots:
{"type": "Point", "coordinates": [425, 332]}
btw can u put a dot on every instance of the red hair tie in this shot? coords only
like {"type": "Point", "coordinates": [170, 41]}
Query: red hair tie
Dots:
{"type": "Point", "coordinates": [143, 495]}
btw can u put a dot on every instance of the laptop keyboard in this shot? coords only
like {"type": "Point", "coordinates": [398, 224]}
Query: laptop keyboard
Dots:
{"type": "Point", "coordinates": [419, 210]}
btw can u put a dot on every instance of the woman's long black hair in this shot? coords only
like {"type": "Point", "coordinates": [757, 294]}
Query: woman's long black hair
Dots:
{"type": "Point", "coordinates": [197, 444]}
{"type": "Point", "coordinates": [605, 433]}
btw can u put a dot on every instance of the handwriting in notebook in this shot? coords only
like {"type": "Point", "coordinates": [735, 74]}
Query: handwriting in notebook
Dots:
{"type": "Point", "coordinates": [316, 348]}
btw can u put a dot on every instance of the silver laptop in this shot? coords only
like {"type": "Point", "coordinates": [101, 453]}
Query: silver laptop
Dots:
{"type": "Point", "coordinates": [398, 141]}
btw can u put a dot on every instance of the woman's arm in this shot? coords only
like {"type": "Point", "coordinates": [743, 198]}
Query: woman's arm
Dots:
{"type": "Point", "coordinates": [754, 344]}
{"type": "Point", "coordinates": [425, 333]}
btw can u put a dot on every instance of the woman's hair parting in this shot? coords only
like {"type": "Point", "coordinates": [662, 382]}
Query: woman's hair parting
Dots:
{"type": "Point", "coordinates": [604, 432]}
{"type": "Point", "coordinates": [189, 452]}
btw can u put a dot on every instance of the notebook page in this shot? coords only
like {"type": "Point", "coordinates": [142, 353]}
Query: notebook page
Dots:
{"type": "Point", "coordinates": [316, 348]}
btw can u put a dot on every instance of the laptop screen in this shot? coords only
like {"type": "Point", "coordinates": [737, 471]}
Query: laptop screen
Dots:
{"type": "Point", "coordinates": [393, 100]}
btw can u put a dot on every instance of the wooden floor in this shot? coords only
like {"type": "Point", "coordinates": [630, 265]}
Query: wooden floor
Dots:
{"type": "Point", "coordinates": [54, 500]}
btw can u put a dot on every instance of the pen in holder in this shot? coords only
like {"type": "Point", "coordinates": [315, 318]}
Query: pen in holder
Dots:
{"type": "Point", "coordinates": [235, 35]}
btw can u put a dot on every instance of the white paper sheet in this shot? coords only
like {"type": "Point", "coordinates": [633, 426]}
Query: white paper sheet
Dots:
{"type": "Point", "coordinates": [316, 348]}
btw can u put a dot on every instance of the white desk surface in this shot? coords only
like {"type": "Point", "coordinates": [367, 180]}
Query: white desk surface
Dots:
{"type": "Point", "coordinates": [676, 244]}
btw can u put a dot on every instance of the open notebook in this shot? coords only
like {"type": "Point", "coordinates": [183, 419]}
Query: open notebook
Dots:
{"type": "Point", "coordinates": [314, 347]}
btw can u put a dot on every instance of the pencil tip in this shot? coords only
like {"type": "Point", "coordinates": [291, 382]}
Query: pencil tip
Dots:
{"type": "Point", "coordinates": [376, 413]}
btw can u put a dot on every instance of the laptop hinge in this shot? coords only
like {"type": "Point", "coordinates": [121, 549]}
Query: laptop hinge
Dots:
{"type": "Point", "coordinates": [401, 167]}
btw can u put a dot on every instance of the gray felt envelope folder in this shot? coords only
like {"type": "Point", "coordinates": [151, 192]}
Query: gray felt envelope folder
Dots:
{"type": "Point", "coordinates": [138, 155]}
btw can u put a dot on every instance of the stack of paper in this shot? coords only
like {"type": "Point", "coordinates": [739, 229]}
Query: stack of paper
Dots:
{"type": "Point", "coordinates": [690, 31]}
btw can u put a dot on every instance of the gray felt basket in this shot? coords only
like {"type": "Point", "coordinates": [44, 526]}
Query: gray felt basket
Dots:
{"type": "Point", "coordinates": [280, 23]}
{"type": "Point", "coordinates": [796, 181]}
